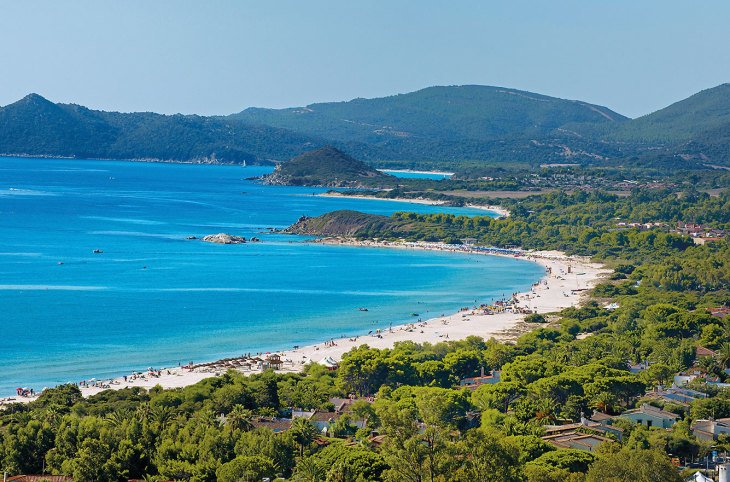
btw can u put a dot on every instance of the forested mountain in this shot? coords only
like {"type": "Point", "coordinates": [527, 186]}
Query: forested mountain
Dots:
{"type": "Point", "coordinates": [686, 120]}
{"type": "Point", "coordinates": [469, 112]}
{"type": "Point", "coordinates": [698, 126]}
{"type": "Point", "coordinates": [455, 122]}
{"type": "Point", "coordinates": [36, 126]}
{"type": "Point", "coordinates": [443, 124]}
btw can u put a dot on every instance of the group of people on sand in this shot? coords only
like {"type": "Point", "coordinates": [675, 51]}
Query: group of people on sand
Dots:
{"type": "Point", "coordinates": [25, 392]}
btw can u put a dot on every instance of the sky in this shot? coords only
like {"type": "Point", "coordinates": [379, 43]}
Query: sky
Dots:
{"type": "Point", "coordinates": [219, 57]}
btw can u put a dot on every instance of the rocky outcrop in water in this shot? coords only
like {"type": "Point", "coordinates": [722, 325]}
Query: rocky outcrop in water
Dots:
{"type": "Point", "coordinates": [224, 238]}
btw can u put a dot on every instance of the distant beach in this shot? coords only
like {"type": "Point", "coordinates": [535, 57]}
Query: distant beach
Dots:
{"type": "Point", "coordinates": [411, 171]}
{"type": "Point", "coordinates": [431, 202]}
{"type": "Point", "coordinates": [565, 281]}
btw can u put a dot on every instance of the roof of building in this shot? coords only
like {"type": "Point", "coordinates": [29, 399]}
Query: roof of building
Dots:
{"type": "Point", "coordinates": [341, 404]}
{"type": "Point", "coordinates": [583, 424]}
{"type": "Point", "coordinates": [720, 311]}
{"type": "Point", "coordinates": [576, 440]}
{"type": "Point", "coordinates": [599, 416]}
{"type": "Point", "coordinates": [302, 414]}
{"type": "Point", "coordinates": [702, 351]}
{"type": "Point", "coordinates": [324, 416]}
{"type": "Point", "coordinates": [275, 424]}
{"type": "Point", "coordinates": [708, 423]}
{"type": "Point", "coordinates": [653, 411]}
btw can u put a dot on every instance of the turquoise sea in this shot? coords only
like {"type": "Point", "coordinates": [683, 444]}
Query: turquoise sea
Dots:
{"type": "Point", "coordinates": [154, 298]}
{"type": "Point", "coordinates": [418, 175]}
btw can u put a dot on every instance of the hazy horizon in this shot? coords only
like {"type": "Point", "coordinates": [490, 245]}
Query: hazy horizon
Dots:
{"type": "Point", "coordinates": [216, 59]}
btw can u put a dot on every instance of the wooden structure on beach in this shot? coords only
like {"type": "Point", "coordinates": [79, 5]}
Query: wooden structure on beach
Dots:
{"type": "Point", "coordinates": [273, 361]}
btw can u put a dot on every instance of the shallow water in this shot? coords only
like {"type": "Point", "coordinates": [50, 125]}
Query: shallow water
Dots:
{"type": "Point", "coordinates": [418, 174]}
{"type": "Point", "coordinates": [154, 298]}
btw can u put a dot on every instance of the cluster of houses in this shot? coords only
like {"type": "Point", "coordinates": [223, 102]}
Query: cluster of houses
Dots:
{"type": "Point", "coordinates": [567, 179]}
{"type": "Point", "coordinates": [590, 432]}
{"type": "Point", "coordinates": [699, 233]}
{"type": "Point", "coordinates": [321, 419]}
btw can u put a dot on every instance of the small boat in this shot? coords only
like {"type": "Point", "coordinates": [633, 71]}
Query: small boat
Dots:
{"type": "Point", "coordinates": [192, 237]}
{"type": "Point", "coordinates": [414, 314]}
{"type": "Point", "coordinates": [97, 251]}
{"type": "Point", "coordinates": [363, 309]}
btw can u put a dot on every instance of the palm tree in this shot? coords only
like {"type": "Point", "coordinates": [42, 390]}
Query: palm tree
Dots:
{"type": "Point", "coordinates": [723, 355]}
{"type": "Point", "coordinates": [709, 364]}
{"type": "Point", "coordinates": [240, 418]}
{"type": "Point", "coordinates": [143, 411]}
{"type": "Point", "coordinates": [304, 433]}
{"type": "Point", "coordinates": [162, 415]}
{"type": "Point", "coordinates": [117, 417]}
{"type": "Point", "coordinates": [308, 471]}
{"type": "Point", "coordinates": [604, 402]}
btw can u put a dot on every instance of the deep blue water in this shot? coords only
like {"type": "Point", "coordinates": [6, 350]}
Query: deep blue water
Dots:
{"type": "Point", "coordinates": [154, 298]}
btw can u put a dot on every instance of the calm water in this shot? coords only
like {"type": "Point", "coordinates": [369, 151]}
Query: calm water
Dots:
{"type": "Point", "coordinates": [418, 175]}
{"type": "Point", "coordinates": [154, 298]}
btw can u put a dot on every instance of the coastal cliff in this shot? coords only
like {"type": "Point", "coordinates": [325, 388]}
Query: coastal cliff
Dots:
{"type": "Point", "coordinates": [341, 223]}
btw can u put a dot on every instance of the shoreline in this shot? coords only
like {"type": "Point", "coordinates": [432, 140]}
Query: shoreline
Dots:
{"type": "Point", "coordinates": [151, 160]}
{"type": "Point", "coordinates": [431, 202]}
{"type": "Point", "coordinates": [563, 283]}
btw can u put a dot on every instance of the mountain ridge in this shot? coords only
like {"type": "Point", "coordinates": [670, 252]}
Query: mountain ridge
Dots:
{"type": "Point", "coordinates": [36, 126]}
{"type": "Point", "coordinates": [448, 124]}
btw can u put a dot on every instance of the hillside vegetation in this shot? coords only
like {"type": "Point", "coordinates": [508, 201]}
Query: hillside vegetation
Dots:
{"type": "Point", "coordinates": [410, 419]}
{"type": "Point", "coordinates": [689, 119]}
{"type": "Point", "coordinates": [36, 126]}
{"type": "Point", "coordinates": [325, 167]}
{"type": "Point", "coordinates": [451, 123]}
{"type": "Point", "coordinates": [453, 126]}
{"type": "Point", "coordinates": [469, 112]}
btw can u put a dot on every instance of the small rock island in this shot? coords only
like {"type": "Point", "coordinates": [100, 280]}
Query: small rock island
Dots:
{"type": "Point", "coordinates": [224, 238]}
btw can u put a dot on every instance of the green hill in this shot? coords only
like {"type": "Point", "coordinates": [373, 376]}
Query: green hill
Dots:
{"type": "Point", "coordinates": [469, 112]}
{"type": "Point", "coordinates": [449, 123]}
{"type": "Point", "coordinates": [36, 126]}
{"type": "Point", "coordinates": [694, 117]}
{"type": "Point", "coordinates": [696, 129]}
{"type": "Point", "coordinates": [325, 167]}
{"type": "Point", "coordinates": [442, 126]}
{"type": "Point", "coordinates": [346, 223]}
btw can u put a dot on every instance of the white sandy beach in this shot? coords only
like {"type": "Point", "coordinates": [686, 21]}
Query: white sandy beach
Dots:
{"type": "Point", "coordinates": [566, 279]}
{"type": "Point", "coordinates": [432, 202]}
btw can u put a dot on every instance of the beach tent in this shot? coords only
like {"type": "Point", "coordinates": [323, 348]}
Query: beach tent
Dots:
{"type": "Point", "coordinates": [698, 477]}
{"type": "Point", "coordinates": [329, 362]}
